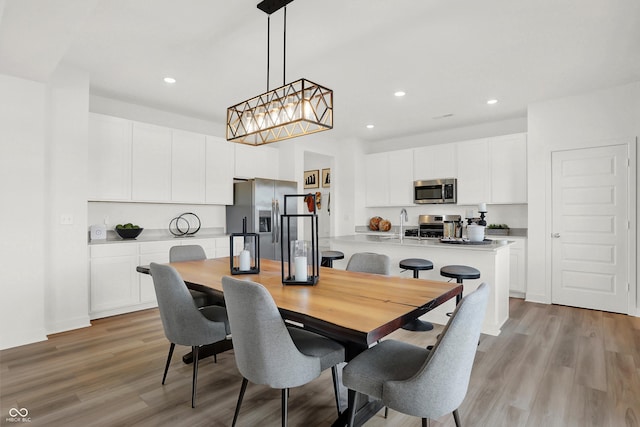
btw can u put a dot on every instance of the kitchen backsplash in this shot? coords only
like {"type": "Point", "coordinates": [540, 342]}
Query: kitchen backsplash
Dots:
{"type": "Point", "coordinates": [515, 216]}
{"type": "Point", "coordinates": [153, 215]}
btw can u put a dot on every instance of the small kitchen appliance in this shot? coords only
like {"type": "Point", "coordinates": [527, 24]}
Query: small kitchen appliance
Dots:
{"type": "Point", "coordinates": [437, 227]}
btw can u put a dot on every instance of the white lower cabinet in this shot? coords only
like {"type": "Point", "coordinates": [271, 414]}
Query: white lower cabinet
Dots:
{"type": "Point", "coordinates": [115, 285]}
{"type": "Point", "coordinates": [518, 267]}
{"type": "Point", "coordinates": [151, 252]}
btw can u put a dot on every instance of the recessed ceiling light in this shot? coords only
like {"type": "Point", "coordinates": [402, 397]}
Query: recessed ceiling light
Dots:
{"type": "Point", "coordinates": [399, 93]}
{"type": "Point", "coordinates": [370, 126]}
{"type": "Point", "coordinates": [169, 80]}
{"type": "Point", "coordinates": [492, 101]}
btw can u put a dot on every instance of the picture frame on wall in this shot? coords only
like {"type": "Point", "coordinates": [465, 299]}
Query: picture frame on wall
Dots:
{"type": "Point", "coordinates": [312, 179]}
{"type": "Point", "coordinates": [326, 178]}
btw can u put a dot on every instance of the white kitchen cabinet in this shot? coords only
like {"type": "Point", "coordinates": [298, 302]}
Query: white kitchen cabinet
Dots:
{"type": "Point", "coordinates": [493, 170]}
{"type": "Point", "coordinates": [109, 149]}
{"type": "Point", "coordinates": [508, 168]}
{"type": "Point", "coordinates": [400, 178]}
{"type": "Point", "coordinates": [115, 285]}
{"type": "Point", "coordinates": [151, 163]}
{"type": "Point", "coordinates": [474, 173]}
{"type": "Point", "coordinates": [152, 252]}
{"type": "Point", "coordinates": [220, 161]}
{"type": "Point", "coordinates": [256, 162]}
{"type": "Point", "coordinates": [389, 178]}
{"type": "Point", "coordinates": [518, 267]}
{"type": "Point", "coordinates": [188, 167]}
{"type": "Point", "coordinates": [376, 167]}
{"type": "Point", "coordinates": [435, 162]}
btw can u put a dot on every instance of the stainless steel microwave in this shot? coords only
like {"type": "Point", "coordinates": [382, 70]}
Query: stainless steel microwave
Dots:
{"type": "Point", "coordinates": [435, 191]}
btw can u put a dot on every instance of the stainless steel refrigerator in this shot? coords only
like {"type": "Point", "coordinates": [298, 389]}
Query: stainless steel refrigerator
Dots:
{"type": "Point", "coordinates": [262, 202]}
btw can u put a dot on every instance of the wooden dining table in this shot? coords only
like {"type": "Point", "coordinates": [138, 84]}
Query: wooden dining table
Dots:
{"type": "Point", "coordinates": [356, 309]}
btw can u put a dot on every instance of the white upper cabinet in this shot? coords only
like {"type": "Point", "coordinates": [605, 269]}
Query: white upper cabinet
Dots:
{"type": "Point", "coordinates": [139, 162]}
{"type": "Point", "coordinates": [376, 167]}
{"type": "Point", "coordinates": [473, 172]}
{"type": "Point", "coordinates": [389, 178]}
{"type": "Point", "coordinates": [400, 178]}
{"type": "Point", "coordinates": [188, 167]}
{"type": "Point", "coordinates": [509, 168]}
{"type": "Point", "coordinates": [109, 158]}
{"type": "Point", "coordinates": [220, 156]}
{"type": "Point", "coordinates": [151, 157]}
{"type": "Point", "coordinates": [493, 170]}
{"type": "Point", "coordinates": [256, 162]}
{"type": "Point", "coordinates": [435, 162]}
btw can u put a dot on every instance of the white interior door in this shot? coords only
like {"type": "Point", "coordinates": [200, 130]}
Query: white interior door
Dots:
{"type": "Point", "coordinates": [590, 228]}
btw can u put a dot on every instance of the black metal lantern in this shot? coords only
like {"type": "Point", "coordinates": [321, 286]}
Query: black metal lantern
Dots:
{"type": "Point", "coordinates": [300, 264]}
{"type": "Point", "coordinates": [248, 259]}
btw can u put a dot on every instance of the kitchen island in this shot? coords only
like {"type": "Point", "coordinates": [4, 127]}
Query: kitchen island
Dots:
{"type": "Point", "coordinates": [492, 259]}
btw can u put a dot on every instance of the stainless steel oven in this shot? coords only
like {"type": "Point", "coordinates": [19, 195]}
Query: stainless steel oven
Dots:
{"type": "Point", "coordinates": [435, 191]}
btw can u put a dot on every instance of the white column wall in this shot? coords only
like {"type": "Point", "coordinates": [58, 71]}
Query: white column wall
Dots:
{"type": "Point", "coordinates": [588, 120]}
{"type": "Point", "coordinates": [22, 191]}
{"type": "Point", "coordinates": [67, 272]}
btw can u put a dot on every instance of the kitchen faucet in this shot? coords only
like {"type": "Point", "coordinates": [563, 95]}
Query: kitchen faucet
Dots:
{"type": "Point", "coordinates": [403, 217]}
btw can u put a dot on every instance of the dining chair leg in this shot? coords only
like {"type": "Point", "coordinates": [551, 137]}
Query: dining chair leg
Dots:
{"type": "Point", "coordinates": [285, 395]}
{"type": "Point", "coordinates": [336, 386]}
{"type": "Point", "coordinates": [194, 350]}
{"type": "Point", "coordinates": [456, 418]}
{"type": "Point", "coordinates": [166, 368]}
{"type": "Point", "coordinates": [425, 422]}
{"type": "Point", "coordinates": [243, 388]}
{"type": "Point", "coordinates": [386, 412]}
{"type": "Point", "coordinates": [352, 406]}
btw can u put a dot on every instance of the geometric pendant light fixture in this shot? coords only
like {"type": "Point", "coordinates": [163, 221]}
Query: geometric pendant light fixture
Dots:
{"type": "Point", "coordinates": [298, 108]}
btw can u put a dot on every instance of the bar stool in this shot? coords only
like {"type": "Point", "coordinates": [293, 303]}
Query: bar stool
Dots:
{"type": "Point", "coordinates": [416, 265]}
{"type": "Point", "coordinates": [459, 272]}
{"type": "Point", "coordinates": [329, 256]}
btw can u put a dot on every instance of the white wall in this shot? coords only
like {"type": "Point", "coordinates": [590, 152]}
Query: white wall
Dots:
{"type": "Point", "coordinates": [587, 120]}
{"type": "Point", "coordinates": [315, 161]}
{"type": "Point", "coordinates": [465, 133]}
{"type": "Point", "coordinates": [22, 191]}
{"type": "Point", "coordinates": [66, 154]}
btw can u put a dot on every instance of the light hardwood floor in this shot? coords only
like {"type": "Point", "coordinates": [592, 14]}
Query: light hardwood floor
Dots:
{"type": "Point", "coordinates": [551, 366]}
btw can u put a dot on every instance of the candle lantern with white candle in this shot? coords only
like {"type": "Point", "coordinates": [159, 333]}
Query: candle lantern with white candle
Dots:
{"type": "Point", "coordinates": [300, 262]}
{"type": "Point", "coordinates": [247, 259]}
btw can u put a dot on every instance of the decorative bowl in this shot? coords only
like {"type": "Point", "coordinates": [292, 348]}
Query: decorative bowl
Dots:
{"type": "Point", "coordinates": [128, 233]}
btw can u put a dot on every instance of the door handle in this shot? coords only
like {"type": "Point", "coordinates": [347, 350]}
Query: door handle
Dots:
{"type": "Point", "coordinates": [277, 221]}
{"type": "Point", "coordinates": [555, 235]}
{"type": "Point", "coordinates": [273, 220]}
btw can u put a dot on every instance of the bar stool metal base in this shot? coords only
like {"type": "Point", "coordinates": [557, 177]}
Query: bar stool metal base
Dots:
{"type": "Point", "coordinates": [416, 265]}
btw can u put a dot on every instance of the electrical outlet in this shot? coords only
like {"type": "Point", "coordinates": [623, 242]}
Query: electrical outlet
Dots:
{"type": "Point", "coordinates": [66, 219]}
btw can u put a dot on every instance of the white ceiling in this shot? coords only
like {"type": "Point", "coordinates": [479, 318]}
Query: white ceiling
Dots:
{"type": "Point", "coordinates": [450, 56]}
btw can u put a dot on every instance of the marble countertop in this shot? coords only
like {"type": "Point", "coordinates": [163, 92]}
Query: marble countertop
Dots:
{"type": "Point", "coordinates": [159, 235]}
{"type": "Point", "coordinates": [496, 242]}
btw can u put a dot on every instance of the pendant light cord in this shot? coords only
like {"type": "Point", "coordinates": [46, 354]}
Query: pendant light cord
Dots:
{"type": "Point", "coordinates": [284, 56]}
{"type": "Point", "coordinates": [268, 44]}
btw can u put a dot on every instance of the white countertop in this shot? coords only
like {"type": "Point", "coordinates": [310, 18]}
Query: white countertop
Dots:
{"type": "Point", "coordinates": [159, 235]}
{"type": "Point", "coordinates": [393, 240]}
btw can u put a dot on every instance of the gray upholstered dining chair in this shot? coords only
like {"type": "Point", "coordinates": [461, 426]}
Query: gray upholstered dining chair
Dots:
{"type": "Point", "coordinates": [191, 253]}
{"type": "Point", "coordinates": [416, 381]}
{"type": "Point", "coordinates": [270, 353]}
{"type": "Point", "coordinates": [183, 322]}
{"type": "Point", "coordinates": [369, 262]}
